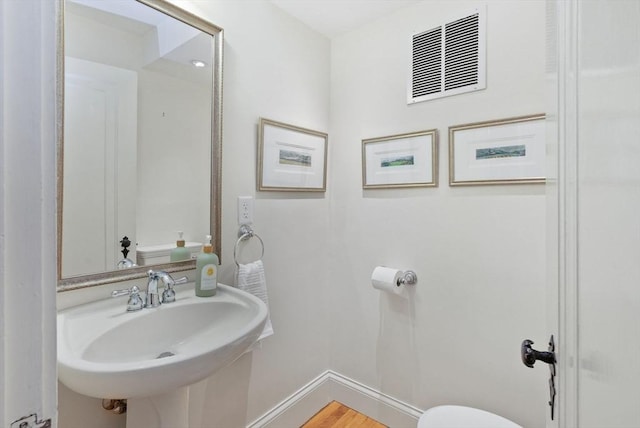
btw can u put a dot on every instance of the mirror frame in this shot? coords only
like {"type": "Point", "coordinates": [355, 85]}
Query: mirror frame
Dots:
{"type": "Point", "coordinates": [83, 281]}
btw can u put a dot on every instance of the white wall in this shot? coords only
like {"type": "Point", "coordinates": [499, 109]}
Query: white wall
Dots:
{"type": "Point", "coordinates": [478, 251]}
{"type": "Point", "coordinates": [174, 159]}
{"type": "Point", "coordinates": [277, 68]}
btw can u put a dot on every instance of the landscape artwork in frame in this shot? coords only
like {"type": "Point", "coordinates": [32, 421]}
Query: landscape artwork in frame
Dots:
{"type": "Point", "coordinates": [406, 160]}
{"type": "Point", "coordinates": [291, 158]}
{"type": "Point", "coordinates": [506, 151]}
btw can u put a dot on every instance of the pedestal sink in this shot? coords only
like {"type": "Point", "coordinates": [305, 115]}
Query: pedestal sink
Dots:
{"type": "Point", "coordinates": [106, 352]}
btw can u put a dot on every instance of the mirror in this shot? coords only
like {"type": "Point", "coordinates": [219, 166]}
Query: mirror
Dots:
{"type": "Point", "coordinates": [139, 149]}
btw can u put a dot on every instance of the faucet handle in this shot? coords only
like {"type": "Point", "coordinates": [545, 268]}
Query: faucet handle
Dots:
{"type": "Point", "coordinates": [135, 302]}
{"type": "Point", "coordinates": [169, 294]}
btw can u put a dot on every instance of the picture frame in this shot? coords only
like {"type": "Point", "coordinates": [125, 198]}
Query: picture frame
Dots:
{"type": "Point", "coordinates": [291, 158]}
{"type": "Point", "coordinates": [505, 151]}
{"type": "Point", "coordinates": [404, 160]}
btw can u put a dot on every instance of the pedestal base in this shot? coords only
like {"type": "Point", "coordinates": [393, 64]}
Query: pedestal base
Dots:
{"type": "Point", "coordinates": [169, 410]}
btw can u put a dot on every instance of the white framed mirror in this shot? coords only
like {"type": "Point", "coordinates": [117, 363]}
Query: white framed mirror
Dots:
{"type": "Point", "coordinates": [139, 148]}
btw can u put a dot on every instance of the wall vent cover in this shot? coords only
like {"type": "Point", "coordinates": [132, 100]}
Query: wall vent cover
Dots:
{"type": "Point", "coordinates": [449, 59]}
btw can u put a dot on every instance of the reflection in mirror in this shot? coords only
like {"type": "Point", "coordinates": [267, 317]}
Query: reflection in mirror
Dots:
{"type": "Point", "coordinates": [140, 153]}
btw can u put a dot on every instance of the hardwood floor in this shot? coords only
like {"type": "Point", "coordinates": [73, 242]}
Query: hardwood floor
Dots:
{"type": "Point", "coordinates": [337, 415]}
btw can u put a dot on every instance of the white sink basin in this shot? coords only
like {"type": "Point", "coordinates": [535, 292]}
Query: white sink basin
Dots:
{"type": "Point", "coordinates": [106, 352]}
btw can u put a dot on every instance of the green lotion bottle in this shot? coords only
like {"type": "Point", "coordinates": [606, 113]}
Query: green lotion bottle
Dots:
{"type": "Point", "coordinates": [179, 253]}
{"type": "Point", "coordinates": [206, 271]}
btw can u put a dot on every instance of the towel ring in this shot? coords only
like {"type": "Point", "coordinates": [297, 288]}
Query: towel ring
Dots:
{"type": "Point", "coordinates": [244, 233]}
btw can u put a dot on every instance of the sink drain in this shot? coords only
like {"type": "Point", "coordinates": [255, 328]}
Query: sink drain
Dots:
{"type": "Point", "coordinates": [165, 354]}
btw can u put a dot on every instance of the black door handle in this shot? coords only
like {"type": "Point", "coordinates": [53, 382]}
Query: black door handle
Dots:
{"type": "Point", "coordinates": [529, 358]}
{"type": "Point", "coordinates": [530, 355]}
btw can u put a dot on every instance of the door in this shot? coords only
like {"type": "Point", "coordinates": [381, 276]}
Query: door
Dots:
{"type": "Point", "coordinates": [100, 152]}
{"type": "Point", "coordinates": [594, 205]}
{"type": "Point", "coordinates": [608, 164]}
{"type": "Point", "coordinates": [27, 213]}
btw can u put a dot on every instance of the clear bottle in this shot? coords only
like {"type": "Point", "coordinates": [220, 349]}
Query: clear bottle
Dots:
{"type": "Point", "coordinates": [179, 253]}
{"type": "Point", "coordinates": [206, 271]}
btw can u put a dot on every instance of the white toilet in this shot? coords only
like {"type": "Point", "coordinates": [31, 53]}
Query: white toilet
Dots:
{"type": "Point", "coordinates": [462, 417]}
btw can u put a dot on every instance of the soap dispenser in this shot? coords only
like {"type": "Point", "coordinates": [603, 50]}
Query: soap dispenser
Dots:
{"type": "Point", "coordinates": [179, 253]}
{"type": "Point", "coordinates": [206, 271]}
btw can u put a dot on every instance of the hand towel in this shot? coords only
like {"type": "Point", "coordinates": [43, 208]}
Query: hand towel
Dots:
{"type": "Point", "coordinates": [250, 278]}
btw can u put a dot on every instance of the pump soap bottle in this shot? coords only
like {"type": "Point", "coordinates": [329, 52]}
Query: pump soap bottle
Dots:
{"type": "Point", "coordinates": [206, 271]}
{"type": "Point", "coordinates": [179, 253]}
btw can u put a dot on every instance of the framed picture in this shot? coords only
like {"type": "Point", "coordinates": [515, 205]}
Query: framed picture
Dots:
{"type": "Point", "coordinates": [406, 160]}
{"type": "Point", "coordinates": [507, 151]}
{"type": "Point", "coordinates": [291, 158]}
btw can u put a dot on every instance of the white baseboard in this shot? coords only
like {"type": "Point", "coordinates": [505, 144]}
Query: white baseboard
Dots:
{"type": "Point", "coordinates": [308, 400]}
{"type": "Point", "coordinates": [298, 407]}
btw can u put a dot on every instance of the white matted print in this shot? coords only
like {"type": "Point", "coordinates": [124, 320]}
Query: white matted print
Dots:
{"type": "Point", "coordinates": [406, 160]}
{"type": "Point", "coordinates": [291, 158]}
{"type": "Point", "coordinates": [506, 151]}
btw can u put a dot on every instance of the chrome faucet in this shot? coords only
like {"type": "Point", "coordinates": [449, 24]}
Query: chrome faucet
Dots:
{"type": "Point", "coordinates": [153, 299]}
{"type": "Point", "coordinates": [169, 295]}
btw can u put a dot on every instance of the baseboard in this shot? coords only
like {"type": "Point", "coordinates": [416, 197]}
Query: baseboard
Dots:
{"type": "Point", "coordinates": [298, 407]}
{"type": "Point", "coordinates": [373, 403]}
{"type": "Point", "coordinates": [304, 403]}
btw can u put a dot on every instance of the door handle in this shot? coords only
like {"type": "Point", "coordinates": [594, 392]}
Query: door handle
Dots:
{"type": "Point", "coordinates": [529, 358]}
{"type": "Point", "coordinates": [530, 355]}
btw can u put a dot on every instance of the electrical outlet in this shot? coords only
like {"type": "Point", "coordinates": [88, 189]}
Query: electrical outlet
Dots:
{"type": "Point", "coordinates": [245, 209]}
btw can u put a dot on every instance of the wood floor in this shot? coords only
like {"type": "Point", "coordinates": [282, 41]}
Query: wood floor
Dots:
{"type": "Point", "coordinates": [337, 415]}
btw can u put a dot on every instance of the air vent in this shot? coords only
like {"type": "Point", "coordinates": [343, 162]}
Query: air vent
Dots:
{"type": "Point", "coordinates": [448, 59]}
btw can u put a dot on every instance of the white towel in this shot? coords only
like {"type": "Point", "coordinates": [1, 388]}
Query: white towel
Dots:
{"type": "Point", "coordinates": [250, 278]}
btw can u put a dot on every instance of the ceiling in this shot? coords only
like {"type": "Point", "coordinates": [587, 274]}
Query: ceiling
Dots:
{"type": "Point", "coordinates": [335, 17]}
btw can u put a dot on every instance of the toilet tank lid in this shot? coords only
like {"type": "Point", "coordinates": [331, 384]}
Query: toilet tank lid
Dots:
{"type": "Point", "coordinates": [462, 416]}
{"type": "Point", "coordinates": [164, 249]}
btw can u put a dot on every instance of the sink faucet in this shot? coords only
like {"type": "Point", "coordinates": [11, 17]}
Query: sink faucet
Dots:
{"type": "Point", "coordinates": [169, 295]}
{"type": "Point", "coordinates": [153, 299]}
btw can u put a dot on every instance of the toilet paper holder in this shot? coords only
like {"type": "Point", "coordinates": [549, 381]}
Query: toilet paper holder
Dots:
{"type": "Point", "coordinates": [408, 277]}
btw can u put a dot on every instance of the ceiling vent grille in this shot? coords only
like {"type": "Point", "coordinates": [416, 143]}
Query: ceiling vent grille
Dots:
{"type": "Point", "coordinates": [448, 59]}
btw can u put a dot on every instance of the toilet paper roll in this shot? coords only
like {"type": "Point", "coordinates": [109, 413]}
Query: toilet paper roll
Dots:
{"type": "Point", "coordinates": [386, 279]}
